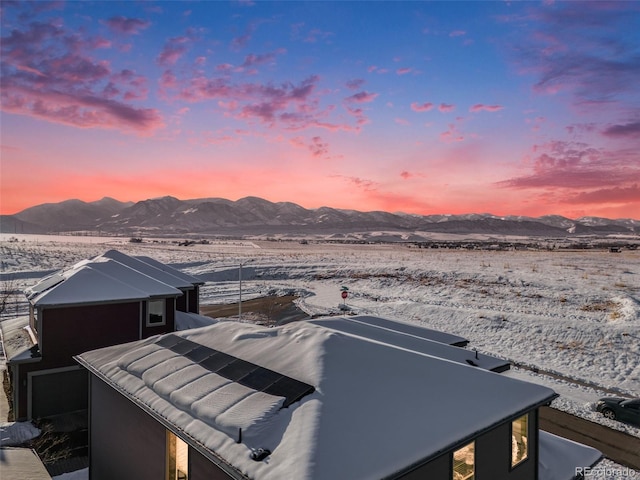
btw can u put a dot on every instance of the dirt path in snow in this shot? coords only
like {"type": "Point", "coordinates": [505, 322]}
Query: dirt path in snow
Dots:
{"type": "Point", "coordinates": [618, 446]}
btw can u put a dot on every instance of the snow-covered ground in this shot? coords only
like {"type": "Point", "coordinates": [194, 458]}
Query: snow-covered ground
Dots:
{"type": "Point", "coordinates": [575, 314]}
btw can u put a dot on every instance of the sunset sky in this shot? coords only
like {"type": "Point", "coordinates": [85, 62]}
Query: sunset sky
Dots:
{"type": "Point", "coordinates": [506, 107]}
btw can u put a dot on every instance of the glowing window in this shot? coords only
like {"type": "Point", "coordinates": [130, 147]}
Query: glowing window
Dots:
{"type": "Point", "coordinates": [177, 458]}
{"type": "Point", "coordinates": [519, 440]}
{"type": "Point", "coordinates": [464, 462]}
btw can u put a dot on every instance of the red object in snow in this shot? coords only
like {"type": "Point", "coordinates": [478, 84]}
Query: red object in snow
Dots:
{"type": "Point", "coordinates": [345, 294]}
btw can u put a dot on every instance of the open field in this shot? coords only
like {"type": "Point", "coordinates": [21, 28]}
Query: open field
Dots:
{"type": "Point", "coordinates": [574, 314]}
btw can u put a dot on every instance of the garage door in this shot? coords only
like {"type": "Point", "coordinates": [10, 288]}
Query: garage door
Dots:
{"type": "Point", "coordinates": [59, 392]}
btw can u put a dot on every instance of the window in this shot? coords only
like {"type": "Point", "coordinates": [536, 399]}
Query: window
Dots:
{"type": "Point", "coordinates": [519, 440]}
{"type": "Point", "coordinates": [464, 460]}
{"type": "Point", "coordinates": [177, 458]}
{"type": "Point", "coordinates": [156, 313]}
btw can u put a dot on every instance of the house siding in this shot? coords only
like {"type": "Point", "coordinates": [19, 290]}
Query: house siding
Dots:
{"type": "Point", "coordinates": [493, 457]}
{"type": "Point", "coordinates": [68, 331]}
{"type": "Point", "coordinates": [143, 456]}
{"type": "Point", "coordinates": [114, 418]}
{"type": "Point", "coordinates": [201, 468]}
{"type": "Point", "coordinates": [181, 301]}
{"type": "Point", "coordinates": [194, 300]}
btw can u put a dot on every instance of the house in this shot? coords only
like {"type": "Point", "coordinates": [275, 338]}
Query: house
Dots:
{"type": "Point", "coordinates": [107, 300]}
{"type": "Point", "coordinates": [307, 401]}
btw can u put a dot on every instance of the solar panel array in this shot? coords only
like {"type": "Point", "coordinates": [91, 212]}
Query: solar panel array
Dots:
{"type": "Point", "coordinates": [237, 370]}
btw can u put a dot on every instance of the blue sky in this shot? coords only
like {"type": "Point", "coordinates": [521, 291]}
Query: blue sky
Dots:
{"type": "Point", "coordinates": [527, 108]}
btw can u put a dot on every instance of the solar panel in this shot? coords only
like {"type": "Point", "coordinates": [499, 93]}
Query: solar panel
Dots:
{"type": "Point", "coordinates": [216, 361]}
{"type": "Point", "coordinates": [290, 388]}
{"type": "Point", "coordinates": [199, 353]}
{"type": "Point", "coordinates": [237, 370]}
{"type": "Point", "coordinates": [260, 379]}
{"type": "Point", "coordinates": [185, 346]}
{"type": "Point", "coordinates": [169, 341]}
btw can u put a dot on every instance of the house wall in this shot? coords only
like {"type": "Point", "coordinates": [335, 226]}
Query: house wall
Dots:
{"type": "Point", "coordinates": [181, 301]}
{"type": "Point", "coordinates": [201, 468]}
{"type": "Point", "coordinates": [68, 331]}
{"type": "Point", "coordinates": [194, 300]}
{"type": "Point", "coordinates": [493, 457]}
{"type": "Point", "coordinates": [126, 442]}
{"type": "Point", "coordinates": [71, 331]}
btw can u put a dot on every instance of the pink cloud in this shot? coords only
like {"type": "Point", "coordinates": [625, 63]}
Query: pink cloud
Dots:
{"type": "Point", "coordinates": [355, 84]}
{"type": "Point", "coordinates": [295, 107]}
{"type": "Point", "coordinates": [69, 86]}
{"type": "Point", "coordinates": [422, 107]}
{"type": "Point", "coordinates": [173, 50]}
{"type": "Point", "coordinates": [575, 50]}
{"type": "Point", "coordinates": [630, 194]}
{"type": "Point", "coordinates": [575, 165]}
{"type": "Point", "coordinates": [451, 134]}
{"type": "Point", "coordinates": [318, 147]}
{"type": "Point", "coordinates": [361, 183]}
{"type": "Point", "coordinates": [446, 108]}
{"type": "Point", "coordinates": [631, 130]}
{"type": "Point", "coordinates": [84, 111]}
{"type": "Point", "coordinates": [457, 33]}
{"type": "Point", "coordinates": [479, 107]}
{"type": "Point", "coordinates": [262, 59]}
{"type": "Point", "coordinates": [402, 121]}
{"type": "Point", "coordinates": [361, 97]}
{"type": "Point", "coordinates": [404, 71]}
{"type": "Point", "coordinates": [128, 26]}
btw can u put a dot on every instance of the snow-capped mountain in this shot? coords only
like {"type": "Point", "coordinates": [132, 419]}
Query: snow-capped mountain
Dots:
{"type": "Point", "coordinates": [252, 215]}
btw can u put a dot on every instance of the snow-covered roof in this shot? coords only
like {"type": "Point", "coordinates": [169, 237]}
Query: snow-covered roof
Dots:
{"type": "Point", "coordinates": [16, 341]}
{"type": "Point", "coordinates": [375, 409]}
{"type": "Point", "coordinates": [188, 320]}
{"type": "Point", "coordinates": [170, 278]}
{"type": "Point", "coordinates": [404, 329]}
{"type": "Point", "coordinates": [169, 269]}
{"type": "Point", "coordinates": [97, 281]}
{"type": "Point", "coordinates": [559, 457]}
{"type": "Point", "coordinates": [384, 330]}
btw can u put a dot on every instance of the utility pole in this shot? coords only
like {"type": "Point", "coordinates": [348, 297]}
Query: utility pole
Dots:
{"type": "Point", "coordinates": [240, 299]}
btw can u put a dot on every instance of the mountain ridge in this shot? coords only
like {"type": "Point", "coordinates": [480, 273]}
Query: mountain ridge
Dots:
{"type": "Point", "coordinates": [253, 215]}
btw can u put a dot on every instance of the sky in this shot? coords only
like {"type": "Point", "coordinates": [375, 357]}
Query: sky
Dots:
{"type": "Point", "coordinates": [506, 107]}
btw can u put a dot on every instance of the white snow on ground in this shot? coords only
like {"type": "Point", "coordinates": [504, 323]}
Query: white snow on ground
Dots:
{"type": "Point", "coordinates": [77, 475]}
{"type": "Point", "coordinates": [572, 313]}
{"type": "Point", "coordinates": [17, 433]}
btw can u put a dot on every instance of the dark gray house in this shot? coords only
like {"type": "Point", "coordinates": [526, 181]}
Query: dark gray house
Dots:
{"type": "Point", "coordinates": [307, 401]}
{"type": "Point", "coordinates": [107, 300]}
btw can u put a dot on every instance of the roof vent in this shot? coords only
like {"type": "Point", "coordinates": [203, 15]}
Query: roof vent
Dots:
{"type": "Point", "coordinates": [260, 454]}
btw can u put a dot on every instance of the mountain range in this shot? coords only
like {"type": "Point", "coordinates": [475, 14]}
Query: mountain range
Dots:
{"type": "Point", "coordinates": [255, 216]}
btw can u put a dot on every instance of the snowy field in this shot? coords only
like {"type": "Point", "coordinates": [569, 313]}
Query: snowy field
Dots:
{"type": "Point", "coordinates": [573, 314]}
